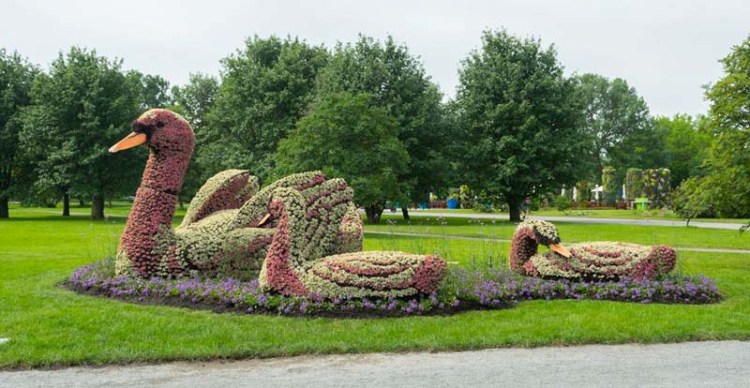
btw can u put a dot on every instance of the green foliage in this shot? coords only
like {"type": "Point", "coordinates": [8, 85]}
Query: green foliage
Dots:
{"type": "Point", "coordinates": [643, 149]}
{"type": "Point", "coordinates": [562, 203]}
{"type": "Point", "coordinates": [730, 100]}
{"type": "Point", "coordinates": [265, 89]}
{"type": "Point", "coordinates": [520, 122]}
{"type": "Point", "coordinates": [609, 185]}
{"type": "Point", "coordinates": [466, 197]}
{"type": "Point", "coordinates": [614, 112]}
{"type": "Point", "coordinates": [686, 144]}
{"type": "Point", "coordinates": [397, 82]}
{"type": "Point", "coordinates": [16, 77]}
{"type": "Point", "coordinates": [728, 163]}
{"type": "Point", "coordinates": [83, 106]}
{"type": "Point", "coordinates": [194, 100]}
{"type": "Point", "coordinates": [693, 199]}
{"type": "Point", "coordinates": [347, 136]}
{"type": "Point", "coordinates": [153, 90]}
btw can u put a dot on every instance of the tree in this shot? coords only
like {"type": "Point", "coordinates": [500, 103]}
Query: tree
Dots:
{"type": "Point", "coordinates": [522, 123]}
{"type": "Point", "coordinates": [729, 160]}
{"type": "Point", "coordinates": [692, 199]}
{"type": "Point", "coordinates": [153, 90]}
{"type": "Point", "coordinates": [347, 135]}
{"type": "Point", "coordinates": [16, 78]}
{"type": "Point", "coordinates": [397, 82]}
{"type": "Point", "coordinates": [265, 89]}
{"type": "Point", "coordinates": [614, 116]}
{"type": "Point", "coordinates": [645, 148]}
{"type": "Point", "coordinates": [727, 166]}
{"type": "Point", "coordinates": [83, 106]}
{"type": "Point", "coordinates": [194, 100]}
{"type": "Point", "coordinates": [686, 144]}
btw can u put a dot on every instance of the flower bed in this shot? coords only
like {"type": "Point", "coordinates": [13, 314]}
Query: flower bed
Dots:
{"type": "Point", "coordinates": [462, 290]}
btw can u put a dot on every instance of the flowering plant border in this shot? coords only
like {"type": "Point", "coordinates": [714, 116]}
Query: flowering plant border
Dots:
{"type": "Point", "coordinates": [462, 290]}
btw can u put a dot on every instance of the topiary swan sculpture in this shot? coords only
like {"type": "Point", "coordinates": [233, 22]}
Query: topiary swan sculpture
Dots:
{"type": "Point", "coordinates": [302, 232]}
{"type": "Point", "coordinates": [589, 260]}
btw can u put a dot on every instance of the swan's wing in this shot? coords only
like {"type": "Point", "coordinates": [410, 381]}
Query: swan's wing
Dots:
{"type": "Point", "coordinates": [228, 189]}
{"type": "Point", "coordinates": [254, 210]}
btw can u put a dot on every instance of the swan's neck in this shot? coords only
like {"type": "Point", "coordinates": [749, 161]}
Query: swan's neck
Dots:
{"type": "Point", "coordinates": [522, 248]}
{"type": "Point", "coordinates": [152, 211]}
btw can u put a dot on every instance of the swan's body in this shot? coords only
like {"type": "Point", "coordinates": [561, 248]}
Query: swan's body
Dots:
{"type": "Point", "coordinates": [234, 229]}
{"type": "Point", "coordinates": [589, 260]}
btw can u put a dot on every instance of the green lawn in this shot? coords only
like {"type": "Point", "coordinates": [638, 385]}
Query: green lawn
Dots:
{"type": "Point", "coordinates": [597, 213]}
{"type": "Point", "coordinates": [569, 232]}
{"type": "Point", "coordinates": [51, 326]}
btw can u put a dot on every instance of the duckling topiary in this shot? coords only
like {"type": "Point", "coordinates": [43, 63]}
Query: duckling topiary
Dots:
{"type": "Point", "coordinates": [588, 260]}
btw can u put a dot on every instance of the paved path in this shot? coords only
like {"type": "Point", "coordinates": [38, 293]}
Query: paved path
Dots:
{"type": "Point", "coordinates": [501, 240]}
{"type": "Point", "coordinates": [584, 220]}
{"type": "Point", "coordinates": [718, 364]}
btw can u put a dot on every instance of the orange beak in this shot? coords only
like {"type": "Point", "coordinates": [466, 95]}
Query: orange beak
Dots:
{"type": "Point", "coordinates": [560, 250]}
{"type": "Point", "coordinates": [130, 141]}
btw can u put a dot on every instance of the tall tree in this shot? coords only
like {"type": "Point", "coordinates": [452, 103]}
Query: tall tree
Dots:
{"type": "Point", "coordinates": [83, 106]}
{"type": "Point", "coordinates": [614, 116]}
{"type": "Point", "coordinates": [347, 135]}
{"type": "Point", "coordinates": [265, 90]}
{"type": "Point", "coordinates": [686, 144]}
{"type": "Point", "coordinates": [194, 100]}
{"type": "Point", "coordinates": [397, 82]}
{"type": "Point", "coordinates": [16, 78]}
{"type": "Point", "coordinates": [645, 148]}
{"type": "Point", "coordinates": [728, 162]}
{"type": "Point", "coordinates": [729, 158]}
{"type": "Point", "coordinates": [521, 120]}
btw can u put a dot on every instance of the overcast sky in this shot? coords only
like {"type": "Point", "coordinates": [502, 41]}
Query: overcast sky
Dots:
{"type": "Point", "coordinates": [667, 50]}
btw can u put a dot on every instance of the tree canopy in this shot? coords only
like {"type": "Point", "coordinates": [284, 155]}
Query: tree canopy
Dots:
{"type": "Point", "coordinates": [397, 82]}
{"type": "Point", "coordinates": [521, 123]}
{"type": "Point", "coordinates": [16, 78]}
{"type": "Point", "coordinates": [616, 120]}
{"type": "Point", "coordinates": [727, 177]}
{"type": "Point", "coordinates": [80, 108]}
{"type": "Point", "coordinates": [265, 89]}
{"type": "Point", "coordinates": [347, 135]}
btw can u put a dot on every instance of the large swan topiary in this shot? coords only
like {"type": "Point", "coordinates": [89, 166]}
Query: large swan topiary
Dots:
{"type": "Point", "coordinates": [588, 260]}
{"type": "Point", "coordinates": [302, 233]}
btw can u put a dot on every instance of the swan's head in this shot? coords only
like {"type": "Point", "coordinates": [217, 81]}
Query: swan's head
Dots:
{"type": "Point", "coordinates": [544, 233]}
{"type": "Point", "coordinates": [159, 129]}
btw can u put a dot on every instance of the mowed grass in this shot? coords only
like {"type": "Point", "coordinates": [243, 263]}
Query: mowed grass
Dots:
{"type": "Point", "coordinates": [51, 326]}
{"type": "Point", "coordinates": [569, 232]}
{"type": "Point", "coordinates": [595, 213]}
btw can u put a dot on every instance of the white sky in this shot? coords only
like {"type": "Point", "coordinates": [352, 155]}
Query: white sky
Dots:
{"type": "Point", "coordinates": [666, 49]}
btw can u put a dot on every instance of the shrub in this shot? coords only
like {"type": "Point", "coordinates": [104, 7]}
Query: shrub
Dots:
{"type": "Point", "coordinates": [562, 203]}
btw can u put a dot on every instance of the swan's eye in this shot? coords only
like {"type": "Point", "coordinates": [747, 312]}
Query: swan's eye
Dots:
{"type": "Point", "coordinates": [139, 127]}
{"type": "Point", "coordinates": [159, 124]}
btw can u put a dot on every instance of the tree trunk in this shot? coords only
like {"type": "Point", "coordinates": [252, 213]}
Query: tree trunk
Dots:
{"type": "Point", "coordinates": [405, 212]}
{"type": "Point", "coordinates": [97, 207]}
{"type": "Point", "coordinates": [373, 213]}
{"type": "Point", "coordinates": [515, 209]}
{"type": "Point", "coordinates": [4, 213]}
{"type": "Point", "coordinates": [66, 205]}
{"type": "Point", "coordinates": [81, 202]}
